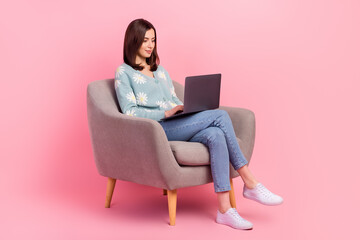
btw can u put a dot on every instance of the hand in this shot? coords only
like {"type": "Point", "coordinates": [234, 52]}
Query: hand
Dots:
{"type": "Point", "coordinates": [171, 112]}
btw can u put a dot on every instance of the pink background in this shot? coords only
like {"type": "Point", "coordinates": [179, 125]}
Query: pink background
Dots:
{"type": "Point", "coordinates": [294, 63]}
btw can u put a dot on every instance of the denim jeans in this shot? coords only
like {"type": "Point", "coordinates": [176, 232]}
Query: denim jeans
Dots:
{"type": "Point", "coordinates": [214, 129]}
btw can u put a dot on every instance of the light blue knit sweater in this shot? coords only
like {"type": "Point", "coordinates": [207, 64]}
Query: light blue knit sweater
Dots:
{"type": "Point", "coordinates": [143, 96]}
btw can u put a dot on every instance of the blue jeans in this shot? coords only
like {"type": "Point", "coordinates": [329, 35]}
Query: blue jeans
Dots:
{"type": "Point", "coordinates": [214, 129]}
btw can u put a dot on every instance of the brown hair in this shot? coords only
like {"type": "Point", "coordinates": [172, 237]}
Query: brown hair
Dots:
{"type": "Point", "coordinates": [134, 37]}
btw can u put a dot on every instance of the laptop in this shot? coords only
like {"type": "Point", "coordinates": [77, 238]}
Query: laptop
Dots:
{"type": "Point", "coordinates": [201, 93]}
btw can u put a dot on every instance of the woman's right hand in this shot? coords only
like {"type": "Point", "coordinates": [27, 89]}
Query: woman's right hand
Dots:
{"type": "Point", "coordinates": [171, 112]}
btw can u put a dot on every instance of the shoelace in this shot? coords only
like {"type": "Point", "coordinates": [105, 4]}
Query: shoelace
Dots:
{"type": "Point", "coordinates": [236, 215]}
{"type": "Point", "coordinates": [266, 193]}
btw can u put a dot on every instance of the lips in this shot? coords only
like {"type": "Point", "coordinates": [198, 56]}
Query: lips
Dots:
{"type": "Point", "coordinates": [148, 52]}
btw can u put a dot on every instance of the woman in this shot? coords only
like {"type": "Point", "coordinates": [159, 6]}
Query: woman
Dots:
{"type": "Point", "coordinates": [144, 89]}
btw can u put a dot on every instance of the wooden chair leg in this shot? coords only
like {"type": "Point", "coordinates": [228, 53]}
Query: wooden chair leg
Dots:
{"type": "Point", "coordinates": [164, 192]}
{"type": "Point", "coordinates": [172, 196]}
{"type": "Point", "coordinates": [232, 194]}
{"type": "Point", "coordinates": [109, 191]}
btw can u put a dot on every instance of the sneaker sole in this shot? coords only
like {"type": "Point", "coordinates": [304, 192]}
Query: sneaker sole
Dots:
{"type": "Point", "coordinates": [257, 200]}
{"type": "Point", "coordinates": [220, 222]}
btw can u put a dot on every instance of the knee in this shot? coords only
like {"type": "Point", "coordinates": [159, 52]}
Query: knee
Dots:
{"type": "Point", "coordinates": [222, 115]}
{"type": "Point", "coordinates": [220, 112]}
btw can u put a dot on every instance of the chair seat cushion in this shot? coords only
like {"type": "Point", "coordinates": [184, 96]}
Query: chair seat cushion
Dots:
{"type": "Point", "coordinates": [191, 153]}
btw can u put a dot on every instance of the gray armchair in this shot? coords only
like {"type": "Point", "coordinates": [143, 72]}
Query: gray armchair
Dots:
{"type": "Point", "coordinates": [169, 165]}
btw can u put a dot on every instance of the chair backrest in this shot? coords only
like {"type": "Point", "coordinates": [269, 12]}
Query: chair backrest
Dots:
{"type": "Point", "coordinates": [179, 90]}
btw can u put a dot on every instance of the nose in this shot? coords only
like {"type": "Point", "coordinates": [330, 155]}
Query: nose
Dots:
{"type": "Point", "coordinates": [151, 44]}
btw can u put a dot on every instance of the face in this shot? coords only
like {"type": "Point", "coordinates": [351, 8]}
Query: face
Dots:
{"type": "Point", "coordinates": [148, 44]}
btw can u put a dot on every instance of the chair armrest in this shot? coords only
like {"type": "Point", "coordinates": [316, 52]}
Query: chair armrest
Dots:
{"type": "Point", "coordinates": [131, 148]}
{"type": "Point", "coordinates": [243, 121]}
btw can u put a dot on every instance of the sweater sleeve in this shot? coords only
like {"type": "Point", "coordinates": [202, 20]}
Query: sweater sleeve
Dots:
{"type": "Point", "coordinates": [127, 100]}
{"type": "Point", "coordinates": [174, 97]}
{"type": "Point", "coordinates": [172, 90]}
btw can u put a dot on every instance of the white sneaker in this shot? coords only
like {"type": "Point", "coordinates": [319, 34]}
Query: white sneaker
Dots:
{"type": "Point", "coordinates": [262, 195]}
{"type": "Point", "coordinates": [232, 218]}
